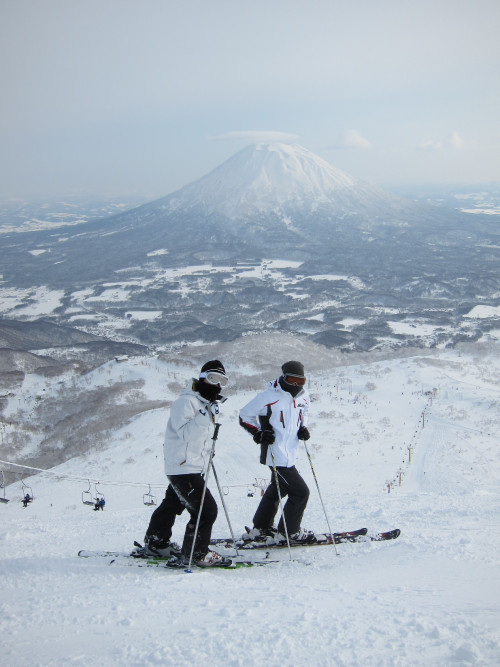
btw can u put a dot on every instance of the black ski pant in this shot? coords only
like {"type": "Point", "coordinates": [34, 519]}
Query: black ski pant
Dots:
{"type": "Point", "coordinates": [185, 492]}
{"type": "Point", "coordinates": [293, 487]}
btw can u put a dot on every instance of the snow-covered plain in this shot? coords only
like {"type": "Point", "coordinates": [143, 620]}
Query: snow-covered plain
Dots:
{"type": "Point", "coordinates": [96, 310]}
{"type": "Point", "coordinates": [431, 598]}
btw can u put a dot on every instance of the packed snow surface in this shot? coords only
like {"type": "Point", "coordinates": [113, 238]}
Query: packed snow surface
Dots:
{"type": "Point", "coordinates": [430, 598]}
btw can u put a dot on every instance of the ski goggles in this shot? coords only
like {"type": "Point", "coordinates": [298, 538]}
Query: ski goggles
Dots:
{"type": "Point", "coordinates": [298, 380]}
{"type": "Point", "coordinates": [214, 377]}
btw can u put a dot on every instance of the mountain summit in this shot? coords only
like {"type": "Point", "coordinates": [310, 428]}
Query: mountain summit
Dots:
{"type": "Point", "coordinates": [264, 178]}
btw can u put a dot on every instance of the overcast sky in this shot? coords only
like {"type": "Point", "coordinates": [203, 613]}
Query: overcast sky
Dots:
{"type": "Point", "coordinates": [129, 96]}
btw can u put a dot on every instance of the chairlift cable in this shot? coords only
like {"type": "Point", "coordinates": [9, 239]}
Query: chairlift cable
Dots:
{"type": "Point", "coordinates": [75, 478]}
{"type": "Point", "coordinates": [100, 481]}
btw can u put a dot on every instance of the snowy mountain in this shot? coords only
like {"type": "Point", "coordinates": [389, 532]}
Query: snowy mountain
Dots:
{"type": "Point", "coordinates": [274, 238]}
{"type": "Point", "coordinates": [268, 198]}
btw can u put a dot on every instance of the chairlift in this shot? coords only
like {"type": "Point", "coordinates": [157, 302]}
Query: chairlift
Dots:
{"type": "Point", "coordinates": [262, 484]}
{"type": "Point", "coordinates": [2, 486]}
{"type": "Point", "coordinates": [98, 495]}
{"type": "Point", "coordinates": [87, 498]}
{"type": "Point", "coordinates": [27, 492]}
{"type": "Point", "coordinates": [148, 498]}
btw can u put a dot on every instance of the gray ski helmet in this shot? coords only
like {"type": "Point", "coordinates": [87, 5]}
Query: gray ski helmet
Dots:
{"type": "Point", "coordinates": [293, 368]}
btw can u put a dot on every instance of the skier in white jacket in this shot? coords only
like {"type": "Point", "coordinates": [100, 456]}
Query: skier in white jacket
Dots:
{"type": "Point", "coordinates": [277, 419]}
{"type": "Point", "coordinates": [186, 450]}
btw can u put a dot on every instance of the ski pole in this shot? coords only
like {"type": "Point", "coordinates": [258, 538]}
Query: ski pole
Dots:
{"type": "Point", "coordinates": [281, 501]}
{"type": "Point", "coordinates": [320, 497]}
{"type": "Point", "coordinates": [222, 497]}
{"type": "Point", "coordinates": [225, 509]}
{"type": "Point", "coordinates": [212, 452]}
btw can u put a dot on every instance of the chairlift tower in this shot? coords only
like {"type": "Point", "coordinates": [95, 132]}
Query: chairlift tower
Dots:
{"type": "Point", "coordinates": [2, 486]}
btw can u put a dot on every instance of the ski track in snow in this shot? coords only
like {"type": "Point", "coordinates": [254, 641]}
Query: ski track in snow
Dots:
{"type": "Point", "coordinates": [431, 598]}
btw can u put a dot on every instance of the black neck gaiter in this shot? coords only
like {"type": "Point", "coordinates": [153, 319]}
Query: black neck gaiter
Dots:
{"type": "Point", "coordinates": [209, 392]}
{"type": "Point", "coordinates": [292, 389]}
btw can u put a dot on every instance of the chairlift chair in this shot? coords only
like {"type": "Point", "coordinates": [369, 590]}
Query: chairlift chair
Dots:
{"type": "Point", "coordinates": [87, 498]}
{"type": "Point", "coordinates": [98, 495]}
{"type": "Point", "coordinates": [27, 491]}
{"type": "Point", "coordinates": [148, 498]}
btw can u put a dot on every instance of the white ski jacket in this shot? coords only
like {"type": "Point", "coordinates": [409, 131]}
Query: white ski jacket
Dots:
{"type": "Point", "coordinates": [286, 415]}
{"type": "Point", "coordinates": [188, 436]}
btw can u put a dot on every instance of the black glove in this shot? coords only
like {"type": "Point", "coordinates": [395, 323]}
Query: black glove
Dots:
{"type": "Point", "coordinates": [303, 433]}
{"type": "Point", "coordinates": [257, 437]}
{"type": "Point", "coordinates": [267, 437]}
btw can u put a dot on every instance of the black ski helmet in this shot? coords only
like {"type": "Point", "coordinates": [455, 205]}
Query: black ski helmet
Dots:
{"type": "Point", "coordinates": [293, 368]}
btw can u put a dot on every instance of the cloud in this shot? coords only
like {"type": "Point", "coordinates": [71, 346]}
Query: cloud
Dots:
{"type": "Point", "coordinates": [454, 141]}
{"type": "Point", "coordinates": [352, 139]}
{"type": "Point", "coordinates": [255, 136]}
{"type": "Point", "coordinates": [431, 146]}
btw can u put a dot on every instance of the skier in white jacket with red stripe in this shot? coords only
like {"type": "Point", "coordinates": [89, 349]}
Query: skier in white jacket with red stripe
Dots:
{"type": "Point", "coordinates": [277, 420]}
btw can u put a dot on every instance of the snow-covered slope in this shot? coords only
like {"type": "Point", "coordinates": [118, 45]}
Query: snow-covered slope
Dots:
{"type": "Point", "coordinates": [430, 598]}
{"type": "Point", "coordinates": [264, 177]}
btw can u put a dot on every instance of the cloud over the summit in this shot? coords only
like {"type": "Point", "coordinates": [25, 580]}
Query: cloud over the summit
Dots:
{"type": "Point", "coordinates": [255, 136]}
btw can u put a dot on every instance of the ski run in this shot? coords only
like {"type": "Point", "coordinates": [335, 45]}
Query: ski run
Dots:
{"type": "Point", "coordinates": [408, 442]}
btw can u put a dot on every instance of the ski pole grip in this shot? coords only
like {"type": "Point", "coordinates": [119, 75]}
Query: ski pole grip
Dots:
{"type": "Point", "coordinates": [216, 432]}
{"type": "Point", "coordinates": [264, 424]}
{"type": "Point", "coordinates": [263, 454]}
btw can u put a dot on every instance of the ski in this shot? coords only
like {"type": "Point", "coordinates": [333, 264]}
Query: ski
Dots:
{"type": "Point", "coordinates": [320, 539]}
{"type": "Point", "coordinates": [389, 535]}
{"type": "Point", "coordinates": [363, 536]}
{"type": "Point", "coordinates": [141, 553]}
{"type": "Point", "coordinates": [141, 559]}
{"type": "Point", "coordinates": [360, 535]}
{"type": "Point", "coordinates": [349, 535]}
